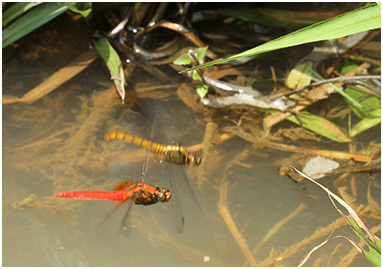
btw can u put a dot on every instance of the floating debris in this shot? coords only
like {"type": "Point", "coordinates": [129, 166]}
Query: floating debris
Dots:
{"type": "Point", "coordinates": [318, 166]}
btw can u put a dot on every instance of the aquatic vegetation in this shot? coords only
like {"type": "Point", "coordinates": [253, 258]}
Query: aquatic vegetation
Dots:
{"type": "Point", "coordinates": [53, 135]}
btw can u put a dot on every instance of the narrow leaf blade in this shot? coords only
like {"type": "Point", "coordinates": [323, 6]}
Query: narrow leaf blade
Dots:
{"type": "Point", "coordinates": [113, 62]}
{"type": "Point", "coordinates": [32, 20]}
{"type": "Point", "coordinates": [16, 10]}
{"type": "Point", "coordinates": [359, 20]}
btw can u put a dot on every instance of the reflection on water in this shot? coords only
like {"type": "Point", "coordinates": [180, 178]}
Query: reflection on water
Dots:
{"type": "Point", "coordinates": [57, 144]}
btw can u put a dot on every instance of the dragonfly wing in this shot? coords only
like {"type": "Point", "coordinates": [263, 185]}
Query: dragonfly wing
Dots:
{"type": "Point", "coordinates": [175, 173]}
{"type": "Point", "coordinates": [124, 224]}
{"type": "Point", "coordinates": [157, 172]}
{"type": "Point", "coordinates": [176, 211]}
{"type": "Point", "coordinates": [109, 223]}
{"type": "Point", "coordinates": [154, 171]}
{"type": "Point", "coordinates": [125, 159]}
{"type": "Point", "coordinates": [178, 176]}
{"type": "Point", "coordinates": [171, 213]}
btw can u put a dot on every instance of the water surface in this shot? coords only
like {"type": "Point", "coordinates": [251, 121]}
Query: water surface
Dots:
{"type": "Point", "coordinates": [56, 144]}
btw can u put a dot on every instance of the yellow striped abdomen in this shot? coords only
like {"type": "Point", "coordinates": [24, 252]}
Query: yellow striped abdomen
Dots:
{"type": "Point", "coordinates": [139, 141]}
{"type": "Point", "coordinates": [172, 153]}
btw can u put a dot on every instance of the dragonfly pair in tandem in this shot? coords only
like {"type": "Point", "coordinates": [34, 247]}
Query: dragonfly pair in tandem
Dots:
{"type": "Point", "coordinates": [139, 192]}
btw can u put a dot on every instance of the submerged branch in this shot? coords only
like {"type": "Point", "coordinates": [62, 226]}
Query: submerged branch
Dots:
{"type": "Point", "coordinates": [289, 148]}
{"type": "Point", "coordinates": [278, 226]}
{"type": "Point", "coordinates": [225, 213]}
{"type": "Point", "coordinates": [55, 80]}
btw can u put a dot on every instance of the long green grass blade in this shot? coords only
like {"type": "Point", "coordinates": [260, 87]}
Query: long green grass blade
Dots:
{"type": "Point", "coordinates": [359, 20]}
{"type": "Point", "coordinates": [32, 20]}
{"type": "Point", "coordinates": [16, 10]}
{"type": "Point", "coordinates": [346, 96]}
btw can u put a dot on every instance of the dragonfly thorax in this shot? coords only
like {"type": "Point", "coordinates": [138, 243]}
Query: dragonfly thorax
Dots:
{"type": "Point", "coordinates": [146, 197]}
{"type": "Point", "coordinates": [180, 155]}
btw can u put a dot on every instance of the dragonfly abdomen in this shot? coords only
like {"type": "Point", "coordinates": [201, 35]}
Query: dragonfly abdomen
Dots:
{"type": "Point", "coordinates": [173, 153]}
{"type": "Point", "coordinates": [139, 141]}
{"type": "Point", "coordinates": [143, 194]}
{"type": "Point", "coordinates": [120, 195]}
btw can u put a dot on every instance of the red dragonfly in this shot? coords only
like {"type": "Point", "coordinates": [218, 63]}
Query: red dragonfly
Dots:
{"type": "Point", "coordinates": [139, 193]}
{"type": "Point", "coordinates": [172, 154]}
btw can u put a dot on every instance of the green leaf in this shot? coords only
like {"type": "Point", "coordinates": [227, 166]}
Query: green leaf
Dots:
{"type": "Point", "coordinates": [348, 66]}
{"type": "Point", "coordinates": [374, 254]}
{"type": "Point", "coordinates": [16, 10]}
{"type": "Point", "coordinates": [183, 60]}
{"type": "Point", "coordinates": [359, 232]}
{"type": "Point", "coordinates": [368, 103]}
{"type": "Point", "coordinates": [202, 90]}
{"type": "Point", "coordinates": [83, 8]}
{"type": "Point", "coordinates": [201, 53]}
{"type": "Point", "coordinates": [109, 55]}
{"type": "Point", "coordinates": [320, 126]}
{"type": "Point", "coordinates": [369, 121]}
{"type": "Point", "coordinates": [359, 20]}
{"type": "Point", "coordinates": [360, 97]}
{"type": "Point", "coordinates": [299, 76]}
{"type": "Point", "coordinates": [113, 62]}
{"type": "Point", "coordinates": [196, 75]}
{"type": "Point", "coordinates": [32, 20]}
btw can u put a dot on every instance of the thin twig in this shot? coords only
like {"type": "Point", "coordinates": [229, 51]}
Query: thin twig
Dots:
{"type": "Point", "coordinates": [320, 93]}
{"type": "Point", "coordinates": [290, 148]}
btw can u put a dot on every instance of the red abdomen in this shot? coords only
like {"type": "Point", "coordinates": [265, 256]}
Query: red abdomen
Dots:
{"type": "Point", "coordinates": [120, 195]}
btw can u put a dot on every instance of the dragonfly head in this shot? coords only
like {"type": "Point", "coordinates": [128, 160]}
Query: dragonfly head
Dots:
{"type": "Point", "coordinates": [165, 195]}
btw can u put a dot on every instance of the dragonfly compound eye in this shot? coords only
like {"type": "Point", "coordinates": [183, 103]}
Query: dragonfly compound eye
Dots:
{"type": "Point", "coordinates": [168, 196]}
{"type": "Point", "coordinates": [165, 195]}
{"type": "Point", "coordinates": [196, 160]}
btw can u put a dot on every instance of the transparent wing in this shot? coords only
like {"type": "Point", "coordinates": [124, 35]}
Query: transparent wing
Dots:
{"type": "Point", "coordinates": [117, 219]}
{"type": "Point", "coordinates": [163, 173]}
{"type": "Point", "coordinates": [125, 160]}
{"type": "Point", "coordinates": [129, 161]}
{"type": "Point", "coordinates": [176, 212]}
